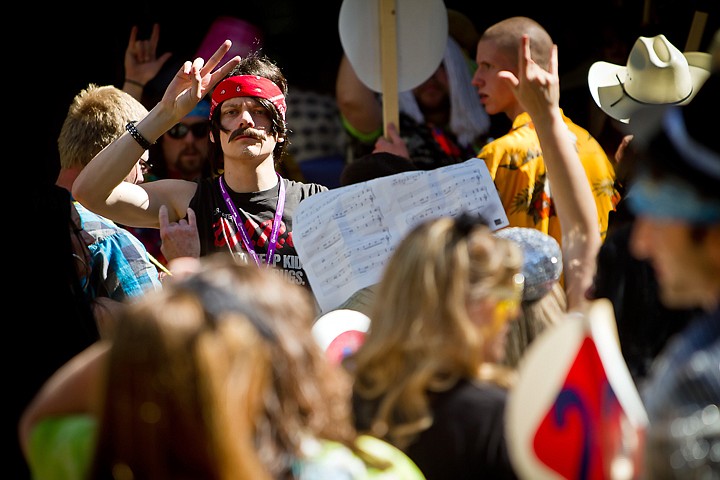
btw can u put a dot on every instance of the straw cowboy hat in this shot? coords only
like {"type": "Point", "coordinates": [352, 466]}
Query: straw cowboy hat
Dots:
{"type": "Point", "coordinates": [657, 73]}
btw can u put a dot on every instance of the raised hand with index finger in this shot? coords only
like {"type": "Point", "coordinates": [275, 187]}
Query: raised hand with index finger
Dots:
{"type": "Point", "coordinates": [535, 88]}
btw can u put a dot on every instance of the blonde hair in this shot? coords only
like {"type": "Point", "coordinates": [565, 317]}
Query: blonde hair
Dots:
{"type": "Point", "coordinates": [218, 377]}
{"type": "Point", "coordinates": [421, 338]}
{"type": "Point", "coordinates": [507, 35]}
{"type": "Point", "coordinates": [535, 316]}
{"type": "Point", "coordinates": [96, 117]}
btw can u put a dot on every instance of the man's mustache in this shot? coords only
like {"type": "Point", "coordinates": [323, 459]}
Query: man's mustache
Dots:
{"type": "Point", "coordinates": [248, 132]}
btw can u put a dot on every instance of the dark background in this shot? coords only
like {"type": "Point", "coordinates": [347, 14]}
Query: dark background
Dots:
{"type": "Point", "coordinates": [80, 45]}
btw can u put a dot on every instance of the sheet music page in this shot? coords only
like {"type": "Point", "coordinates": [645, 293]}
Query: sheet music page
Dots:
{"type": "Point", "coordinates": [345, 236]}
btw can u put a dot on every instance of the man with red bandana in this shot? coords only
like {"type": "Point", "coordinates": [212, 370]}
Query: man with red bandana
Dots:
{"type": "Point", "coordinates": [245, 207]}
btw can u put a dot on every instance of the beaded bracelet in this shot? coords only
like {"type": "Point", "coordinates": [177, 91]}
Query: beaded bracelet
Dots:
{"type": "Point", "coordinates": [133, 131]}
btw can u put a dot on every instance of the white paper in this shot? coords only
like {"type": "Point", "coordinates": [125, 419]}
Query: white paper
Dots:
{"type": "Point", "coordinates": [345, 236]}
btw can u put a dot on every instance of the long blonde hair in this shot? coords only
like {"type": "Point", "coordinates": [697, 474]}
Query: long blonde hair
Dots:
{"type": "Point", "coordinates": [535, 316]}
{"type": "Point", "coordinates": [422, 338]}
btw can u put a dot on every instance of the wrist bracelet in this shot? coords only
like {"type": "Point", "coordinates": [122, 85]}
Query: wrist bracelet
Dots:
{"type": "Point", "coordinates": [133, 131]}
{"type": "Point", "coordinates": [134, 82]}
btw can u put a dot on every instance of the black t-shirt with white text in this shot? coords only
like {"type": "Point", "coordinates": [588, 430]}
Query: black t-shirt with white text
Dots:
{"type": "Point", "coordinates": [218, 233]}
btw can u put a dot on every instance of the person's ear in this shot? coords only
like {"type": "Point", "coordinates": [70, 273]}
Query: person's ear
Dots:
{"type": "Point", "coordinates": [212, 137]}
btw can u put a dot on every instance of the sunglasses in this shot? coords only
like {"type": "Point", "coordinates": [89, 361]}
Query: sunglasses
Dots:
{"type": "Point", "coordinates": [181, 130]}
{"type": "Point", "coordinates": [508, 303]}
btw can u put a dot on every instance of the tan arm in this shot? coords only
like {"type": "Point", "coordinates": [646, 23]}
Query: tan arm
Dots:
{"type": "Point", "coordinates": [357, 103]}
{"type": "Point", "coordinates": [73, 388]}
{"type": "Point", "coordinates": [100, 187]}
{"type": "Point", "coordinates": [539, 93]}
{"type": "Point", "coordinates": [575, 207]}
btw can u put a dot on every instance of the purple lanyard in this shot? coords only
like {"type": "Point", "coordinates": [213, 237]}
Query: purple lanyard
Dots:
{"type": "Point", "coordinates": [240, 226]}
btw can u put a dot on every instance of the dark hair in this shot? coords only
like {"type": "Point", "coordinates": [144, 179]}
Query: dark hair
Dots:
{"type": "Point", "coordinates": [159, 167]}
{"type": "Point", "coordinates": [255, 63]}
{"type": "Point", "coordinates": [375, 165]}
{"type": "Point", "coordinates": [61, 323]}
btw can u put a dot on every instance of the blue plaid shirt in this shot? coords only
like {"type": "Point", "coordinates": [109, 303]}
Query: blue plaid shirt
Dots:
{"type": "Point", "coordinates": [120, 266]}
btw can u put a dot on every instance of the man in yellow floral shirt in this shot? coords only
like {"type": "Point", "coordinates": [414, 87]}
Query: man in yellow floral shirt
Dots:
{"type": "Point", "coordinates": [515, 160]}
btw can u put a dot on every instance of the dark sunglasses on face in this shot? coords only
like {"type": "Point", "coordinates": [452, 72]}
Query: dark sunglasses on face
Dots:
{"type": "Point", "coordinates": [198, 130]}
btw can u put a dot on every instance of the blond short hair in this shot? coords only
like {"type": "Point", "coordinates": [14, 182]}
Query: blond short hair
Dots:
{"type": "Point", "coordinates": [97, 116]}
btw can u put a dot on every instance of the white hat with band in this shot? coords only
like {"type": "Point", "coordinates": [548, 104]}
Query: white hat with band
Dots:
{"type": "Point", "coordinates": [656, 73]}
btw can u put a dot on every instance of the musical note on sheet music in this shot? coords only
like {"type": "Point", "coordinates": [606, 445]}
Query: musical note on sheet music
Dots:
{"type": "Point", "coordinates": [345, 236]}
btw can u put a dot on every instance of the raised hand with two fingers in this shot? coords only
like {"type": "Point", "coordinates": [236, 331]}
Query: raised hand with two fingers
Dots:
{"type": "Point", "coordinates": [194, 80]}
{"type": "Point", "coordinates": [537, 89]}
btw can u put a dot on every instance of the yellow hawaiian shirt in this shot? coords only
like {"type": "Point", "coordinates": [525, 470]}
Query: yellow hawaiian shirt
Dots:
{"type": "Point", "coordinates": [516, 165]}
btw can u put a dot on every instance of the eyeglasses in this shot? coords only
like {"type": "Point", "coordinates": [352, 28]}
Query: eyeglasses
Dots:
{"type": "Point", "coordinates": [180, 130]}
{"type": "Point", "coordinates": [145, 166]}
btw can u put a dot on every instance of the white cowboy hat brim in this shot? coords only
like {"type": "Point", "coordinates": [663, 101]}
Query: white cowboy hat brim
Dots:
{"type": "Point", "coordinates": [609, 95]}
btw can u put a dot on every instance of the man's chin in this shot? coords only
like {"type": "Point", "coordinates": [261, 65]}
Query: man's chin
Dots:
{"type": "Point", "coordinates": [190, 162]}
{"type": "Point", "coordinates": [675, 299]}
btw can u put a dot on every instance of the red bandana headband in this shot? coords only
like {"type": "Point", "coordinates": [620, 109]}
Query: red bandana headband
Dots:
{"type": "Point", "coordinates": [248, 86]}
